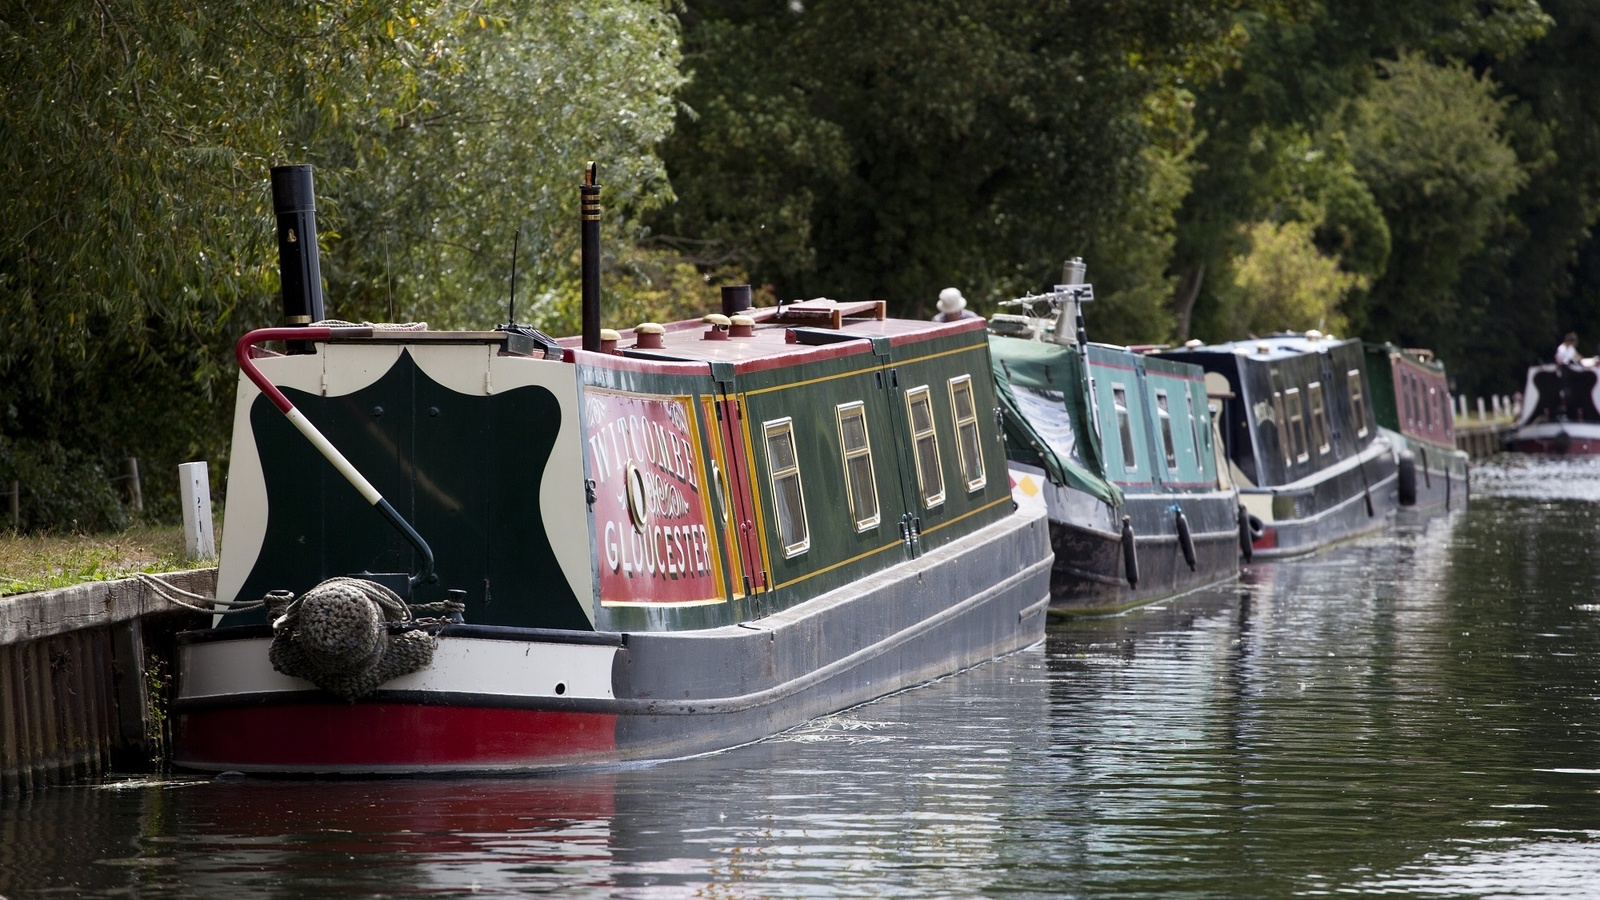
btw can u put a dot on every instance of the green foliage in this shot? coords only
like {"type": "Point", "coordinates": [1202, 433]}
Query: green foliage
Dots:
{"type": "Point", "coordinates": [429, 196]}
{"type": "Point", "coordinates": [1286, 283]}
{"type": "Point", "coordinates": [887, 150]}
{"type": "Point", "coordinates": [1538, 275]}
{"type": "Point", "coordinates": [135, 142]}
{"type": "Point", "coordinates": [68, 490]}
{"type": "Point", "coordinates": [1298, 71]}
{"type": "Point", "coordinates": [1303, 181]}
{"type": "Point", "coordinates": [1427, 141]}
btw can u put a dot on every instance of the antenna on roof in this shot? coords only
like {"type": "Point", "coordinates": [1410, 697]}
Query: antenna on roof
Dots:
{"type": "Point", "coordinates": [511, 307]}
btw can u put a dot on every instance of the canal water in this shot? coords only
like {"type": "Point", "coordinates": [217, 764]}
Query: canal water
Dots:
{"type": "Point", "coordinates": [1412, 713]}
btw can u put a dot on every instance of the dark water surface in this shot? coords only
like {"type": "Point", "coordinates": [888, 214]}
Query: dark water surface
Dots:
{"type": "Point", "coordinates": [1411, 714]}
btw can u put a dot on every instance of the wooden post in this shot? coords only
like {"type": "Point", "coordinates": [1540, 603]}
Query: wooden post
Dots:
{"type": "Point", "coordinates": [194, 484]}
{"type": "Point", "coordinates": [130, 471]}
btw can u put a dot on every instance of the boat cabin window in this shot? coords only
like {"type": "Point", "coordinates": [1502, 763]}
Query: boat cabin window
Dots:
{"type": "Point", "coordinates": [1194, 431]}
{"type": "Point", "coordinates": [1427, 408]}
{"type": "Point", "coordinates": [965, 413]}
{"type": "Point", "coordinates": [1358, 402]}
{"type": "Point", "coordinates": [1119, 399]}
{"type": "Point", "coordinates": [1319, 417]}
{"type": "Point", "coordinates": [1165, 415]}
{"type": "Point", "coordinates": [1297, 423]}
{"type": "Point", "coordinates": [788, 498]}
{"type": "Point", "coordinates": [1279, 422]}
{"type": "Point", "coordinates": [860, 483]}
{"type": "Point", "coordinates": [930, 475]}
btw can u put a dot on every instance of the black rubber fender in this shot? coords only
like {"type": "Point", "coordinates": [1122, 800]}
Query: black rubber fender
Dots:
{"type": "Point", "coordinates": [1407, 468]}
{"type": "Point", "coordinates": [1247, 547]}
{"type": "Point", "coordinates": [1185, 540]}
{"type": "Point", "coordinates": [1130, 553]}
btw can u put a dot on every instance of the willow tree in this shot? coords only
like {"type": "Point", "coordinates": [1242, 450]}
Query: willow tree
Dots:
{"type": "Point", "coordinates": [135, 142]}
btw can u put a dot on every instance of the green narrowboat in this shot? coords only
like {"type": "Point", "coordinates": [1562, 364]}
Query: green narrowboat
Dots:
{"type": "Point", "coordinates": [494, 551]}
{"type": "Point", "coordinates": [1411, 402]}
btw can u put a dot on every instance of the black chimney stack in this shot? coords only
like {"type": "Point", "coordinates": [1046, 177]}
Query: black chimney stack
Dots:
{"type": "Point", "coordinates": [298, 265]}
{"type": "Point", "coordinates": [590, 190]}
{"type": "Point", "coordinates": [735, 299]}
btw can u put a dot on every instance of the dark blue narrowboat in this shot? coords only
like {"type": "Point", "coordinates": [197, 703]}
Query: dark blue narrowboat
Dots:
{"type": "Point", "coordinates": [1311, 464]}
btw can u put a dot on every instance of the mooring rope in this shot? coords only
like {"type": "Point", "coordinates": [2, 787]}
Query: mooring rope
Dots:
{"type": "Point", "coordinates": [380, 326]}
{"type": "Point", "coordinates": [174, 594]}
{"type": "Point", "coordinates": [350, 635]}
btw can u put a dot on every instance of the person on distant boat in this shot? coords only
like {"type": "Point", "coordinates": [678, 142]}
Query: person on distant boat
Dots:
{"type": "Point", "coordinates": [1566, 354]}
{"type": "Point", "coordinates": [953, 307]}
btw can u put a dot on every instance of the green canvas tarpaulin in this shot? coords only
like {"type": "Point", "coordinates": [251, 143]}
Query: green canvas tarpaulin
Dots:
{"type": "Point", "coordinates": [1056, 435]}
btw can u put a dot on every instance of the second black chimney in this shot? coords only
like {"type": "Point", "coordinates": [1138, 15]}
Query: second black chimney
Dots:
{"type": "Point", "coordinates": [590, 191]}
{"type": "Point", "coordinates": [735, 299]}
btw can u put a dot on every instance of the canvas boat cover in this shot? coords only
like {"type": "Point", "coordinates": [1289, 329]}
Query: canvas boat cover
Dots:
{"type": "Point", "coordinates": [1048, 421]}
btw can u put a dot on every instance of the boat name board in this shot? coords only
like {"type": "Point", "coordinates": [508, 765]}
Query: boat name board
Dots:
{"type": "Point", "coordinates": [649, 511]}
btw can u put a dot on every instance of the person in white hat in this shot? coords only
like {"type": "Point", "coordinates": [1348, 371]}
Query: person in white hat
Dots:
{"type": "Point", "coordinates": [953, 307]}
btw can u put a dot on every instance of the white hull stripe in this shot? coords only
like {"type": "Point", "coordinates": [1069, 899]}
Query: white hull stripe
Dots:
{"type": "Point", "coordinates": [215, 670]}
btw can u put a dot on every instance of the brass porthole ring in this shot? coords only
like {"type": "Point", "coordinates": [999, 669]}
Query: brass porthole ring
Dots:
{"type": "Point", "coordinates": [636, 497]}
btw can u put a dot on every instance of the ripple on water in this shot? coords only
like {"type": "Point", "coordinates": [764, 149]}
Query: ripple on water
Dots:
{"type": "Point", "coordinates": [1409, 713]}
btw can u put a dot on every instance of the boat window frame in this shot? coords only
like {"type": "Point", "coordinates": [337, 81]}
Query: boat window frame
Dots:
{"type": "Point", "coordinates": [930, 499]}
{"type": "Point", "coordinates": [1319, 417]}
{"type": "Point", "coordinates": [1296, 423]}
{"type": "Point", "coordinates": [1194, 431]}
{"type": "Point", "coordinates": [962, 427]}
{"type": "Point", "coordinates": [1281, 423]}
{"type": "Point", "coordinates": [857, 409]}
{"type": "Point", "coordinates": [785, 427]}
{"type": "Point", "coordinates": [1169, 443]}
{"type": "Point", "coordinates": [1119, 403]}
{"type": "Point", "coordinates": [1358, 401]}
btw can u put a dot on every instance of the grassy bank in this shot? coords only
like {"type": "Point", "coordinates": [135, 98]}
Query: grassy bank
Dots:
{"type": "Point", "coordinates": [42, 562]}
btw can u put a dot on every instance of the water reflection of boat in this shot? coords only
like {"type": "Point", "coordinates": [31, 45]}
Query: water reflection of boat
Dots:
{"type": "Point", "coordinates": [648, 545]}
{"type": "Point", "coordinates": [1311, 464]}
{"type": "Point", "coordinates": [1411, 402]}
{"type": "Point", "coordinates": [1560, 411]}
{"type": "Point", "coordinates": [1121, 448]}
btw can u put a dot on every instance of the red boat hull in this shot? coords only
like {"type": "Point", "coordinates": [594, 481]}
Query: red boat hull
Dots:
{"type": "Point", "coordinates": [368, 737]}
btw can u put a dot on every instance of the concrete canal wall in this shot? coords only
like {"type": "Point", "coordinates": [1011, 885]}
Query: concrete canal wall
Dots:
{"type": "Point", "coordinates": [85, 673]}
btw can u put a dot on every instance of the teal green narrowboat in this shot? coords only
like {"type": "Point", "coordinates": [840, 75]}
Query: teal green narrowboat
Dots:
{"type": "Point", "coordinates": [1120, 448]}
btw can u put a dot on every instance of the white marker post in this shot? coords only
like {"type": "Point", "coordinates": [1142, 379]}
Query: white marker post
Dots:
{"type": "Point", "coordinates": [199, 539]}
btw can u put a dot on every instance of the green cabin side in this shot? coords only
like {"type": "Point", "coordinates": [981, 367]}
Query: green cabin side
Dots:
{"type": "Point", "coordinates": [822, 472]}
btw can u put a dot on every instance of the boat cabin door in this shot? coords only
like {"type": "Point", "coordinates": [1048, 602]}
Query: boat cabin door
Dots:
{"type": "Point", "coordinates": [905, 412]}
{"type": "Point", "coordinates": [733, 484]}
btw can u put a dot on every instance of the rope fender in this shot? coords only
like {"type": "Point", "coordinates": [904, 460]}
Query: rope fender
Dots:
{"type": "Point", "coordinates": [347, 636]}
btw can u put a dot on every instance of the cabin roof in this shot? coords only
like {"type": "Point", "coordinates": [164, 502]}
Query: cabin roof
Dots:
{"type": "Point", "coordinates": [1271, 348]}
{"type": "Point", "coordinates": [785, 335]}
